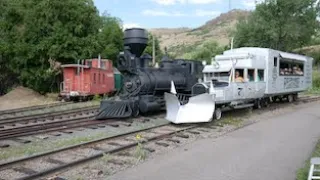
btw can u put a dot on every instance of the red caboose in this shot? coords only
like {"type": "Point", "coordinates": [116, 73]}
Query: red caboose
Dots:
{"type": "Point", "coordinates": [83, 81]}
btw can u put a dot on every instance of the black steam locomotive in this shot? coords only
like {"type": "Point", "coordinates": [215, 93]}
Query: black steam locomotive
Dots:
{"type": "Point", "coordinates": [144, 86]}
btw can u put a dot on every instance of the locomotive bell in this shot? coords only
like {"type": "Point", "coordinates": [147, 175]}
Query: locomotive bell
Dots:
{"type": "Point", "coordinates": [136, 39]}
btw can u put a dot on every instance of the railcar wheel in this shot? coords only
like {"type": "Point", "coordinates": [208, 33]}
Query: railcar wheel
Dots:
{"type": "Point", "coordinates": [295, 97]}
{"type": "Point", "coordinates": [217, 114]}
{"type": "Point", "coordinates": [266, 102]}
{"type": "Point", "coordinates": [257, 104]}
{"type": "Point", "coordinates": [290, 98]}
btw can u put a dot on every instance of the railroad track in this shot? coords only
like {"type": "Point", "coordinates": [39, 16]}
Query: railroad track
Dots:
{"type": "Point", "coordinates": [78, 154]}
{"type": "Point", "coordinates": [45, 123]}
{"type": "Point", "coordinates": [47, 116]}
{"type": "Point", "coordinates": [31, 108]}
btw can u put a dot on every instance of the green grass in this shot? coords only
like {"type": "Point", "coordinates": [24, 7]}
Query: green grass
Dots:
{"type": "Point", "coordinates": [230, 121]}
{"type": "Point", "coordinates": [302, 174]}
{"type": "Point", "coordinates": [31, 149]}
{"type": "Point", "coordinates": [315, 90]}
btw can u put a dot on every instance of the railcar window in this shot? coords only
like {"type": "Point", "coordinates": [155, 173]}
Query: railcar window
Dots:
{"type": "Point", "coordinates": [99, 79]}
{"type": "Point", "coordinates": [103, 65]}
{"type": "Point", "coordinates": [89, 63]}
{"type": "Point", "coordinates": [94, 78]}
{"type": "Point", "coordinates": [222, 76]}
{"type": "Point", "coordinates": [260, 75]}
{"type": "Point", "coordinates": [103, 76]}
{"type": "Point", "coordinates": [275, 62]}
{"type": "Point", "coordinates": [290, 68]}
{"type": "Point", "coordinates": [239, 75]}
{"type": "Point", "coordinates": [251, 75]}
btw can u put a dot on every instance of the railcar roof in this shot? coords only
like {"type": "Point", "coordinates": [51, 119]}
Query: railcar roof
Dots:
{"type": "Point", "coordinates": [254, 50]}
{"type": "Point", "coordinates": [75, 65]}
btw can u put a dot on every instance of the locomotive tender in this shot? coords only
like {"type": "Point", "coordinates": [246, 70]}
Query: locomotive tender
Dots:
{"type": "Point", "coordinates": [144, 86]}
{"type": "Point", "coordinates": [242, 78]}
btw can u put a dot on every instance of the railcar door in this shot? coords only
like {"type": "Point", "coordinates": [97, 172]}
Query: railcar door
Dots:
{"type": "Point", "coordinates": [240, 87]}
{"type": "Point", "coordinates": [251, 84]}
{"type": "Point", "coordinates": [275, 74]}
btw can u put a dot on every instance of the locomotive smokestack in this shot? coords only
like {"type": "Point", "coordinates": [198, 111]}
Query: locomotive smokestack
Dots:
{"type": "Point", "coordinates": [136, 39]}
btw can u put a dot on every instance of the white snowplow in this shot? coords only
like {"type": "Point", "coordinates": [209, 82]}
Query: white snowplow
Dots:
{"type": "Point", "coordinates": [199, 109]}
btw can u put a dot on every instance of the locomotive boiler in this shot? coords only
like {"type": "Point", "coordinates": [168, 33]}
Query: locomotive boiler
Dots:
{"type": "Point", "coordinates": [144, 86]}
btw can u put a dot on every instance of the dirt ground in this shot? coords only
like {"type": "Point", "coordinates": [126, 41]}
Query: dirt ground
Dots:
{"type": "Point", "coordinates": [23, 97]}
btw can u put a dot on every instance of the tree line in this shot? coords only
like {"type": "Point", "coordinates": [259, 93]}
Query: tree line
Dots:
{"type": "Point", "coordinates": [37, 35]}
{"type": "Point", "coordinates": [278, 24]}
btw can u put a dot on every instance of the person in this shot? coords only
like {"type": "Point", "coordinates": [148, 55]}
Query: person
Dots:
{"type": "Point", "coordinates": [281, 71]}
{"type": "Point", "coordinates": [238, 77]}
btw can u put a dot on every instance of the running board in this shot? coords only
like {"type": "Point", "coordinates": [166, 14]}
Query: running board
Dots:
{"type": "Point", "coordinates": [243, 106]}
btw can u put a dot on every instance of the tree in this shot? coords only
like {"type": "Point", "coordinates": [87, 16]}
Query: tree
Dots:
{"type": "Point", "coordinates": [34, 34]}
{"type": "Point", "coordinates": [149, 48]}
{"type": "Point", "coordinates": [279, 24]}
{"type": "Point", "coordinates": [110, 38]}
{"type": "Point", "coordinates": [206, 51]}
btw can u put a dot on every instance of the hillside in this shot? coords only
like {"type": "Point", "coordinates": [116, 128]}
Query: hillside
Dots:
{"type": "Point", "coordinates": [180, 40]}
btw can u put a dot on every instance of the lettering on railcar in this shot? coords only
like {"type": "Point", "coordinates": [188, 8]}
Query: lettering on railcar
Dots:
{"type": "Point", "coordinates": [308, 73]}
{"type": "Point", "coordinates": [291, 82]}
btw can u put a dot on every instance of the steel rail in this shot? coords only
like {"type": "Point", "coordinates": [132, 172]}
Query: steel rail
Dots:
{"type": "Point", "coordinates": [24, 159]}
{"type": "Point", "coordinates": [112, 151]}
{"type": "Point", "coordinates": [57, 127]}
{"type": "Point", "coordinates": [23, 109]}
{"type": "Point", "coordinates": [123, 147]}
{"type": "Point", "coordinates": [45, 115]}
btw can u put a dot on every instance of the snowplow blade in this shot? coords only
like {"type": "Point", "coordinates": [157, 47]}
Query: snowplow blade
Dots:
{"type": "Point", "coordinates": [199, 109]}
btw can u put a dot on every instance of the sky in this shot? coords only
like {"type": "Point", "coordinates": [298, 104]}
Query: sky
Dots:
{"type": "Point", "coordinates": [168, 13]}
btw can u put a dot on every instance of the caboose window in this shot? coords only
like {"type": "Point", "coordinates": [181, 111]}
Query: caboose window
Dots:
{"type": "Point", "coordinates": [94, 78]}
{"type": "Point", "coordinates": [99, 80]}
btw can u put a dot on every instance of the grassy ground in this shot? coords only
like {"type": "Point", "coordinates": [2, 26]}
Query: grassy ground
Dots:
{"type": "Point", "coordinates": [315, 83]}
{"type": "Point", "coordinates": [302, 173]}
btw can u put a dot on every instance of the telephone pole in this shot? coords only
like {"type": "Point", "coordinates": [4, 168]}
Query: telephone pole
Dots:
{"type": "Point", "coordinates": [153, 51]}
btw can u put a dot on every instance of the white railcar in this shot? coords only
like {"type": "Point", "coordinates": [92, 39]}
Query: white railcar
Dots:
{"type": "Point", "coordinates": [246, 77]}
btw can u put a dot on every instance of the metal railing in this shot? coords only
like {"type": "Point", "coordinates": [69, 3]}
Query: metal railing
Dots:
{"type": "Point", "coordinates": [81, 88]}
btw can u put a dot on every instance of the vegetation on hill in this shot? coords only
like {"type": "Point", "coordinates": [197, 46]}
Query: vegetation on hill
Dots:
{"type": "Point", "coordinates": [279, 24]}
{"type": "Point", "coordinates": [180, 41]}
{"type": "Point", "coordinates": [35, 35]}
{"type": "Point", "coordinates": [38, 35]}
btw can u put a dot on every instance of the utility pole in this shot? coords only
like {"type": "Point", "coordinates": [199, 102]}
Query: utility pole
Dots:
{"type": "Point", "coordinates": [153, 51]}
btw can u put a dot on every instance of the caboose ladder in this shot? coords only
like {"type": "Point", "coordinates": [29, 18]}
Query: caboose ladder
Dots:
{"type": "Point", "coordinates": [314, 161]}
